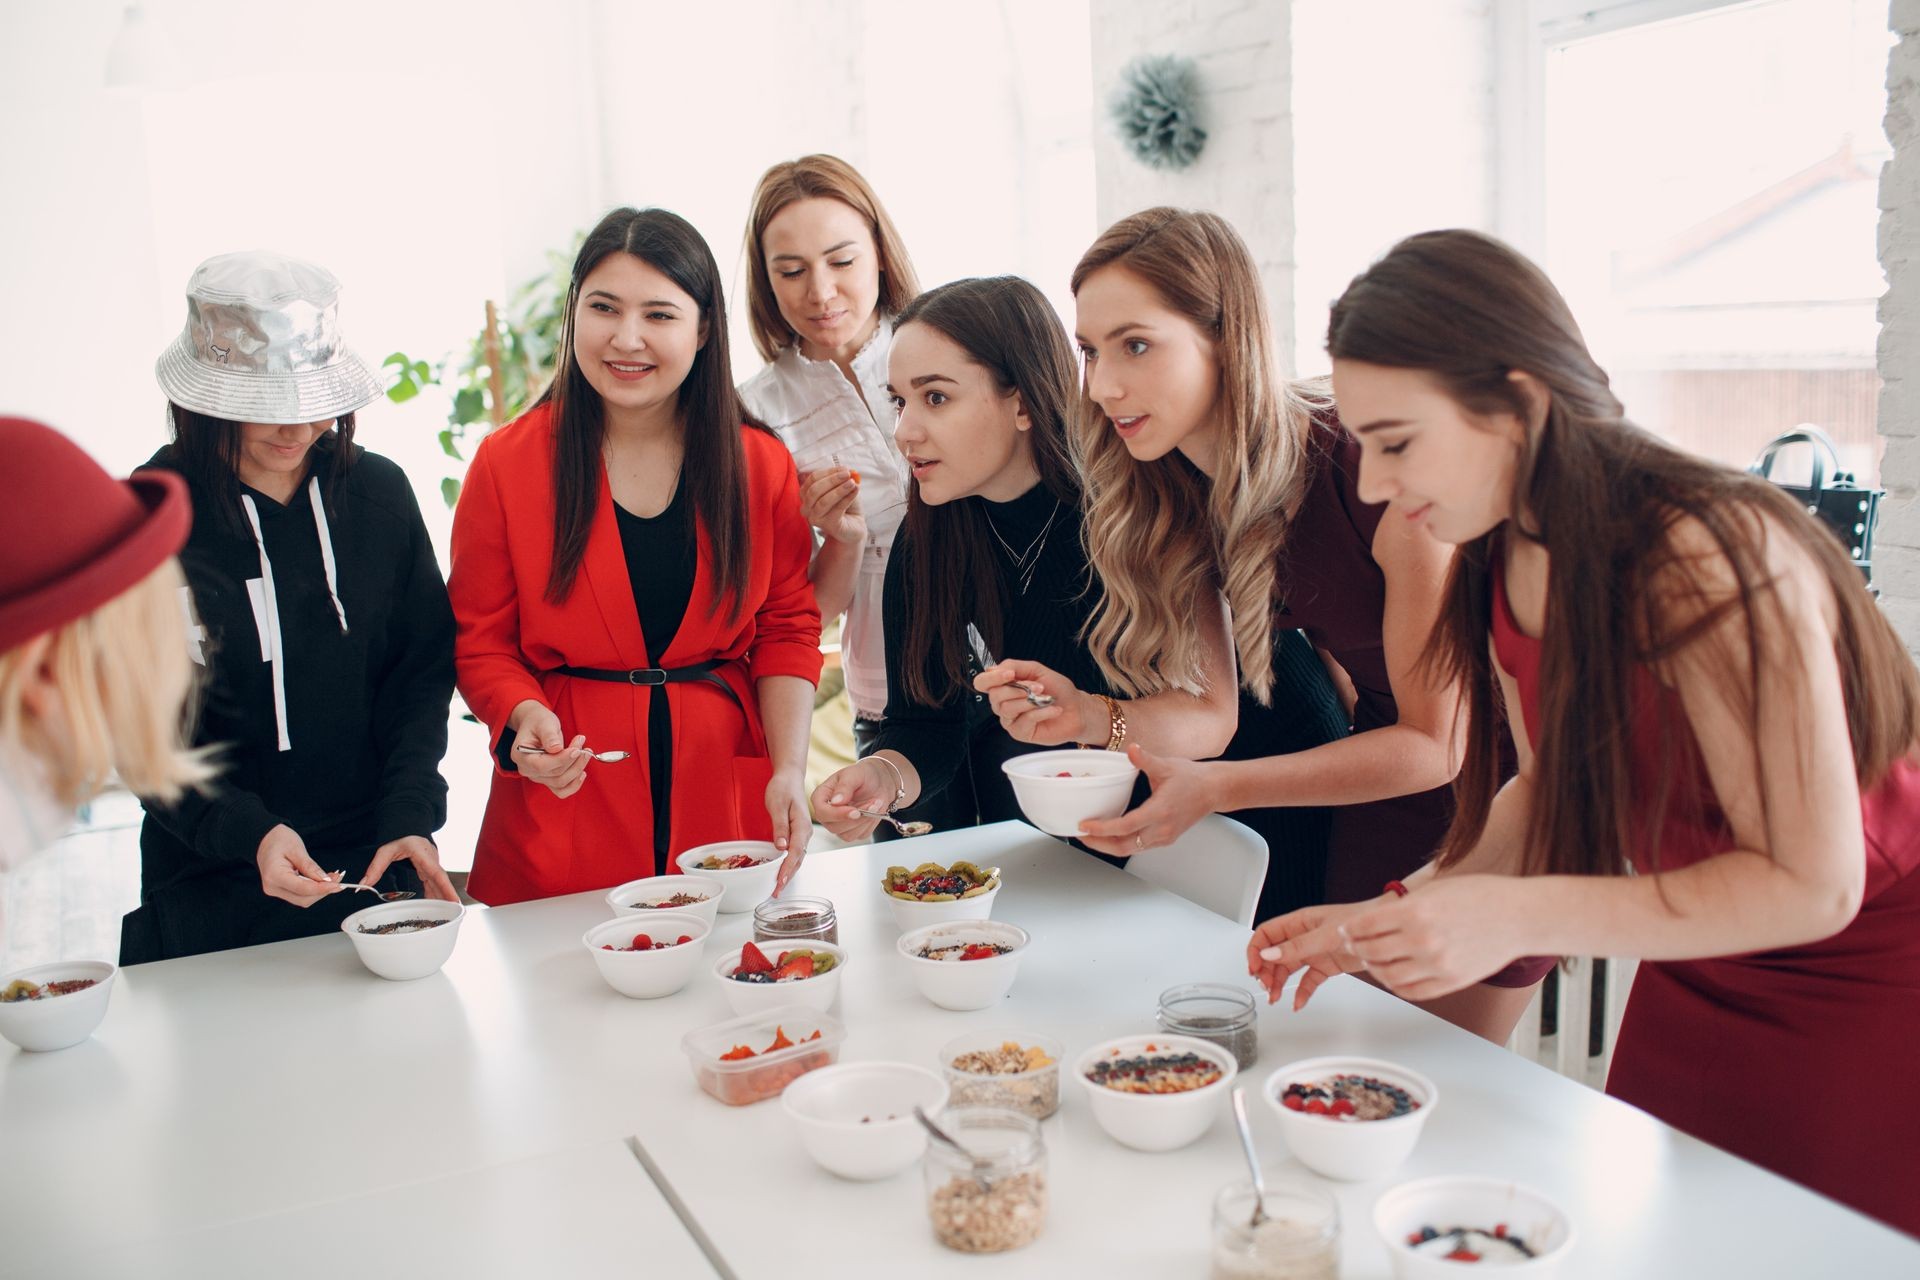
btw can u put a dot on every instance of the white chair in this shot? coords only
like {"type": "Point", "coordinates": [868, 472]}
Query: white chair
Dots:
{"type": "Point", "coordinates": [1218, 864]}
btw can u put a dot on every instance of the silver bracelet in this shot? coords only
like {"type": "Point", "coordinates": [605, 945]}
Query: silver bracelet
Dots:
{"type": "Point", "coordinates": [899, 780]}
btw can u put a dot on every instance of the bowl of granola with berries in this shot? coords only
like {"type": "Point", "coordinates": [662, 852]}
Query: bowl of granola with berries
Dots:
{"type": "Point", "coordinates": [683, 895]}
{"type": "Point", "coordinates": [761, 975]}
{"type": "Point", "coordinates": [648, 957]}
{"type": "Point", "coordinates": [744, 870]}
{"type": "Point", "coordinates": [1058, 790]}
{"type": "Point", "coordinates": [54, 1006]}
{"type": "Point", "coordinates": [935, 894]}
{"type": "Point", "coordinates": [1433, 1226]}
{"type": "Point", "coordinates": [1350, 1118]}
{"type": "Point", "coordinates": [969, 964]}
{"type": "Point", "coordinates": [1155, 1092]}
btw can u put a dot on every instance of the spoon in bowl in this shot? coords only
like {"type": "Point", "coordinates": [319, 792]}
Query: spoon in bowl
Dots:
{"type": "Point", "coordinates": [1253, 1160]}
{"type": "Point", "coordinates": [908, 828]}
{"type": "Point", "coordinates": [391, 895]}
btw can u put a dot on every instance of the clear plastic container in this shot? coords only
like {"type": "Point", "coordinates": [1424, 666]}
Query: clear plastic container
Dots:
{"type": "Point", "coordinates": [1000, 1201]}
{"type": "Point", "coordinates": [816, 1038]}
{"type": "Point", "coordinates": [795, 920]}
{"type": "Point", "coordinates": [1300, 1240]}
{"type": "Point", "coordinates": [1033, 1091]}
{"type": "Point", "coordinates": [1214, 1012]}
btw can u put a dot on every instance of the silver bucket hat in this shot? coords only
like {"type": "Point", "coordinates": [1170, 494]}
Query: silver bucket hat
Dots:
{"type": "Point", "coordinates": [262, 344]}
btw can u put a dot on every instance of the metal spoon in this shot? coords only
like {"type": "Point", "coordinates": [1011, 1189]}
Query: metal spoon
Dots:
{"type": "Point", "coordinates": [984, 656]}
{"type": "Point", "coordinates": [941, 1136]}
{"type": "Point", "coordinates": [909, 828]}
{"type": "Point", "coordinates": [604, 757]}
{"type": "Point", "coordinates": [1253, 1160]}
{"type": "Point", "coordinates": [391, 895]}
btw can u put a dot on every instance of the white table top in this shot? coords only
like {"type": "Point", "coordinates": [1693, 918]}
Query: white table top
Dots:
{"type": "Point", "coordinates": [200, 1101]}
{"type": "Point", "coordinates": [585, 1211]}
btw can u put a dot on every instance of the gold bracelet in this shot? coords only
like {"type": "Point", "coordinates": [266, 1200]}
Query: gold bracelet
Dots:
{"type": "Point", "coordinates": [1116, 724]}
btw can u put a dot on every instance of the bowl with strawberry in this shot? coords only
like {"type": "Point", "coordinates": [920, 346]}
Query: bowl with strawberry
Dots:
{"type": "Point", "coordinates": [1058, 790]}
{"type": "Point", "coordinates": [969, 964]}
{"type": "Point", "coordinates": [1350, 1118]}
{"type": "Point", "coordinates": [760, 976]}
{"type": "Point", "coordinates": [936, 894]}
{"type": "Point", "coordinates": [744, 870]}
{"type": "Point", "coordinates": [646, 958]}
{"type": "Point", "coordinates": [1433, 1226]}
{"type": "Point", "coordinates": [681, 894]}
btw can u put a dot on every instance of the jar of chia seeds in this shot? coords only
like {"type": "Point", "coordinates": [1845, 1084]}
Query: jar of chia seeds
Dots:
{"type": "Point", "coordinates": [796, 920]}
{"type": "Point", "coordinates": [993, 1197]}
{"type": "Point", "coordinates": [1211, 1011]}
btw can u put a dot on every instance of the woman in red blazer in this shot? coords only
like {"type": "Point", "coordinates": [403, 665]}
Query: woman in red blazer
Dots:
{"type": "Point", "coordinates": [630, 574]}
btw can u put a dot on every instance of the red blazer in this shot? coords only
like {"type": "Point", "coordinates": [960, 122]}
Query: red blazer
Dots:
{"type": "Point", "coordinates": [510, 639]}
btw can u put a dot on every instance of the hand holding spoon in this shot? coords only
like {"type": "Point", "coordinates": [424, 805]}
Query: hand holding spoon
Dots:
{"type": "Point", "coordinates": [604, 757]}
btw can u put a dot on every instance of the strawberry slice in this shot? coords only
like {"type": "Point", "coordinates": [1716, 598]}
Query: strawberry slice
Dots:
{"type": "Point", "coordinates": [801, 966]}
{"type": "Point", "coordinates": [780, 1040]}
{"type": "Point", "coordinates": [739, 1053]}
{"type": "Point", "coordinates": [754, 960]}
{"type": "Point", "coordinates": [978, 951]}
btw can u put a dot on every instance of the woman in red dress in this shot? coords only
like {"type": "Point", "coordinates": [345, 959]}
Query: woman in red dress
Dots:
{"type": "Point", "coordinates": [1710, 699]}
{"type": "Point", "coordinates": [630, 574]}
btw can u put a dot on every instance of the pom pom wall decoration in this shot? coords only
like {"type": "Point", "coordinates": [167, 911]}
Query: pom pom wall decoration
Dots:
{"type": "Point", "coordinates": [1156, 110]}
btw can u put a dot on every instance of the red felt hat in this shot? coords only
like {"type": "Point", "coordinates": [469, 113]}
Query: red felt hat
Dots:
{"type": "Point", "coordinates": [71, 536]}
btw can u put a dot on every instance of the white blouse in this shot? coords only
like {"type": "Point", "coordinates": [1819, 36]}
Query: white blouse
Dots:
{"type": "Point", "coordinates": [826, 423]}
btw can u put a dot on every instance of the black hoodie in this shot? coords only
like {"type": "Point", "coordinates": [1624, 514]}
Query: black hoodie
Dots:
{"type": "Point", "coordinates": [365, 706]}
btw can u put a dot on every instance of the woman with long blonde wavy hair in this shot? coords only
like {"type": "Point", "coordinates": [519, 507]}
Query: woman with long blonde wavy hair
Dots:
{"type": "Point", "coordinates": [1201, 460]}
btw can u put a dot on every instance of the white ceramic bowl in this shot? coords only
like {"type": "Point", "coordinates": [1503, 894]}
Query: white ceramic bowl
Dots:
{"type": "Point", "coordinates": [856, 1119]}
{"type": "Point", "coordinates": [57, 1022]}
{"type": "Point", "coordinates": [1486, 1203]}
{"type": "Point", "coordinates": [740, 890]}
{"type": "Point", "coordinates": [633, 897]}
{"type": "Point", "coordinates": [965, 984]}
{"type": "Point", "coordinates": [1155, 1121]}
{"type": "Point", "coordinates": [1354, 1151]}
{"type": "Point", "coordinates": [908, 914]}
{"type": "Point", "coordinates": [648, 975]}
{"type": "Point", "coordinates": [817, 992]}
{"type": "Point", "coordinates": [1101, 787]}
{"type": "Point", "coordinates": [404, 956]}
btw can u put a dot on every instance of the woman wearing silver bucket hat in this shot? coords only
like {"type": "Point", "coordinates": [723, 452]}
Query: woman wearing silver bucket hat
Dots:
{"type": "Point", "coordinates": [328, 640]}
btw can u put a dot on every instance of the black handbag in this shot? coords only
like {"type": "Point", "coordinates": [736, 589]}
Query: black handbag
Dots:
{"type": "Point", "coordinates": [1832, 496]}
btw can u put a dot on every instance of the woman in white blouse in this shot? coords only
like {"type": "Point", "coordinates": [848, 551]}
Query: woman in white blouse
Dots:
{"type": "Point", "coordinates": [826, 274]}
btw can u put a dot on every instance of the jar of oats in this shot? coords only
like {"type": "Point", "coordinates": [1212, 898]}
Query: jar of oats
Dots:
{"type": "Point", "coordinates": [994, 1197]}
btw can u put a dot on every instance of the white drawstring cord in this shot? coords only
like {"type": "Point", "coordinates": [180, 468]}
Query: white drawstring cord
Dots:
{"type": "Point", "coordinates": [273, 624]}
{"type": "Point", "coordinates": [326, 551]}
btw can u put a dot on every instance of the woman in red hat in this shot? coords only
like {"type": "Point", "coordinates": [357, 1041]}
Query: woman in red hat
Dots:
{"type": "Point", "coordinates": [630, 575]}
{"type": "Point", "coordinates": [93, 648]}
{"type": "Point", "coordinates": [328, 639]}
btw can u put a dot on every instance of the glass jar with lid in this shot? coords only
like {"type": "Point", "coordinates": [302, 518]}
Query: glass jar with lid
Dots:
{"type": "Point", "coordinates": [795, 920]}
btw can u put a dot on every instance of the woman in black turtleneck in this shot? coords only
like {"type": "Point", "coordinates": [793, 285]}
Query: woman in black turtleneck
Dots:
{"type": "Point", "coordinates": [983, 378]}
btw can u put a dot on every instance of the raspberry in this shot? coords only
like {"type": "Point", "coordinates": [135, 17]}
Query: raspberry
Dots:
{"type": "Point", "coordinates": [1316, 1108]}
{"type": "Point", "coordinates": [685, 937]}
{"type": "Point", "coordinates": [1342, 1107]}
{"type": "Point", "coordinates": [1292, 1102]}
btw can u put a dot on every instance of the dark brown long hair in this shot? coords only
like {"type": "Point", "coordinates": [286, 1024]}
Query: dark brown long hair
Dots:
{"type": "Point", "coordinates": [206, 450]}
{"type": "Point", "coordinates": [714, 469]}
{"type": "Point", "coordinates": [1603, 498]}
{"type": "Point", "coordinates": [1007, 327]}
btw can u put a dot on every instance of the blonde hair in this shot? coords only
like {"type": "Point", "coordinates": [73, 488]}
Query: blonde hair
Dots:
{"type": "Point", "coordinates": [124, 681]}
{"type": "Point", "coordinates": [810, 177]}
{"type": "Point", "coordinates": [1159, 535]}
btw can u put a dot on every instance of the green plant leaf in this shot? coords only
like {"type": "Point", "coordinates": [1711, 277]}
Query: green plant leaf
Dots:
{"type": "Point", "coordinates": [403, 391]}
{"type": "Point", "coordinates": [399, 358]}
{"type": "Point", "coordinates": [449, 491]}
{"type": "Point", "coordinates": [469, 406]}
{"type": "Point", "coordinates": [422, 372]}
{"type": "Point", "coordinates": [446, 444]}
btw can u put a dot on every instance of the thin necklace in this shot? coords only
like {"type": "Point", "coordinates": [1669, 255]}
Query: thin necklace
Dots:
{"type": "Point", "coordinates": [1026, 562]}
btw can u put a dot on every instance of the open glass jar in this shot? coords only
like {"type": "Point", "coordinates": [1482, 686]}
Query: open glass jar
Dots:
{"type": "Point", "coordinates": [1300, 1239]}
{"type": "Point", "coordinates": [1212, 1011]}
{"type": "Point", "coordinates": [998, 1199]}
{"type": "Point", "coordinates": [796, 920]}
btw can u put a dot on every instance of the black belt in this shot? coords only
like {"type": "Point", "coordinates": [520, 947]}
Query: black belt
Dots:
{"type": "Point", "coordinates": [652, 677]}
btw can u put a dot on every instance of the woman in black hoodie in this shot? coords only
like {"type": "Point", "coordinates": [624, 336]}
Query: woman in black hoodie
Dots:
{"type": "Point", "coordinates": [322, 626]}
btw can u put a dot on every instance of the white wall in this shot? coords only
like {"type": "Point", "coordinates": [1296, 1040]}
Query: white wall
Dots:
{"type": "Point", "coordinates": [1897, 550]}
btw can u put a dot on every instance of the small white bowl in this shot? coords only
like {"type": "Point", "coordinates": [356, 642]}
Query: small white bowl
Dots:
{"type": "Point", "coordinates": [1353, 1151]}
{"type": "Point", "coordinates": [405, 956]}
{"type": "Point", "coordinates": [648, 975]}
{"type": "Point", "coordinates": [57, 1022]}
{"type": "Point", "coordinates": [742, 889]}
{"type": "Point", "coordinates": [908, 914]}
{"type": "Point", "coordinates": [636, 896]}
{"type": "Point", "coordinates": [965, 984]}
{"type": "Point", "coordinates": [1100, 788]}
{"type": "Point", "coordinates": [1486, 1203]}
{"type": "Point", "coordinates": [817, 992]}
{"type": "Point", "coordinates": [1155, 1121]}
{"type": "Point", "coordinates": [856, 1119]}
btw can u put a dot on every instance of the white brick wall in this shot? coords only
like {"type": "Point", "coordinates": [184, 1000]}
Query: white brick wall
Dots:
{"type": "Point", "coordinates": [1242, 50]}
{"type": "Point", "coordinates": [1897, 549]}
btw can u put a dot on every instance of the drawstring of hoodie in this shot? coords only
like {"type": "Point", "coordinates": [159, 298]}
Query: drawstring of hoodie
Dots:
{"type": "Point", "coordinates": [271, 639]}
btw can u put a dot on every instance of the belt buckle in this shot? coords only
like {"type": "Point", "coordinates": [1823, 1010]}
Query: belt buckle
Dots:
{"type": "Point", "coordinates": [640, 676]}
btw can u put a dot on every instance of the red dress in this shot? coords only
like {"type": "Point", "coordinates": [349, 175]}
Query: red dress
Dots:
{"type": "Point", "coordinates": [1804, 1059]}
{"type": "Point", "coordinates": [511, 640]}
